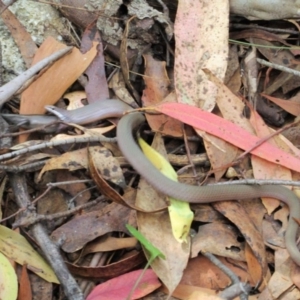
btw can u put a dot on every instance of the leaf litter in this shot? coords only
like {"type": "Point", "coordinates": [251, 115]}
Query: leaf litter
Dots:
{"type": "Point", "coordinates": [195, 78]}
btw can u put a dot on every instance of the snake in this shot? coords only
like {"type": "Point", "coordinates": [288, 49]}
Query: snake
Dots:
{"type": "Point", "coordinates": [189, 193]}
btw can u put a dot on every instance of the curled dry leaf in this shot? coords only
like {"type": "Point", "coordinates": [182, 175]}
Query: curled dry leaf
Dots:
{"type": "Point", "coordinates": [125, 264]}
{"type": "Point", "coordinates": [129, 195]}
{"type": "Point", "coordinates": [109, 243]}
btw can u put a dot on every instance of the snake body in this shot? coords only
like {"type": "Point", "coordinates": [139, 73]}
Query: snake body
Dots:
{"type": "Point", "coordinates": [192, 194]}
{"type": "Point", "coordinates": [204, 194]}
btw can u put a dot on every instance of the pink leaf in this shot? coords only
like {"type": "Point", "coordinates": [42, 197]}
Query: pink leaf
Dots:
{"type": "Point", "coordinates": [229, 132]}
{"type": "Point", "coordinates": [120, 287]}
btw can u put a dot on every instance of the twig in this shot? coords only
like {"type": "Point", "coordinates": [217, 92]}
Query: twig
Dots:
{"type": "Point", "coordinates": [28, 167]}
{"type": "Point", "coordinates": [259, 182]}
{"type": "Point", "coordinates": [234, 290]}
{"type": "Point", "coordinates": [278, 67]}
{"type": "Point", "coordinates": [1, 65]}
{"type": "Point", "coordinates": [265, 28]}
{"type": "Point", "coordinates": [67, 281]}
{"type": "Point", "coordinates": [9, 89]}
{"type": "Point", "coordinates": [55, 184]}
{"type": "Point", "coordinates": [234, 278]}
{"type": "Point", "coordinates": [30, 221]}
{"type": "Point", "coordinates": [34, 219]}
{"type": "Point", "coordinates": [40, 129]}
{"type": "Point", "coordinates": [260, 142]}
{"type": "Point", "coordinates": [188, 154]}
{"type": "Point", "coordinates": [81, 192]}
{"type": "Point", "coordinates": [266, 138]}
{"type": "Point", "coordinates": [75, 140]}
{"type": "Point", "coordinates": [8, 4]}
{"type": "Point", "coordinates": [50, 250]}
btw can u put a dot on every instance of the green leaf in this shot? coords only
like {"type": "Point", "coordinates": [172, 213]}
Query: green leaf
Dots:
{"type": "Point", "coordinates": [8, 279]}
{"type": "Point", "coordinates": [17, 248]}
{"type": "Point", "coordinates": [152, 250]}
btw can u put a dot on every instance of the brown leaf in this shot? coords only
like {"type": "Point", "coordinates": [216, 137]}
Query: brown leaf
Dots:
{"type": "Point", "coordinates": [238, 216]}
{"type": "Point", "coordinates": [283, 57]}
{"type": "Point", "coordinates": [254, 266]}
{"type": "Point", "coordinates": [292, 105]}
{"type": "Point", "coordinates": [263, 169]}
{"type": "Point", "coordinates": [91, 225]}
{"type": "Point", "coordinates": [41, 289]}
{"type": "Point", "coordinates": [107, 165]}
{"type": "Point", "coordinates": [270, 235]}
{"type": "Point", "coordinates": [109, 243]}
{"type": "Point", "coordinates": [295, 275]}
{"type": "Point", "coordinates": [75, 189]}
{"type": "Point", "coordinates": [157, 229]}
{"type": "Point", "coordinates": [118, 85]}
{"type": "Point", "coordinates": [201, 272]}
{"type": "Point", "coordinates": [124, 60]}
{"type": "Point", "coordinates": [62, 73]}
{"type": "Point", "coordinates": [165, 124]}
{"type": "Point", "coordinates": [109, 271]}
{"type": "Point", "coordinates": [157, 84]}
{"type": "Point", "coordinates": [258, 33]}
{"type": "Point", "coordinates": [184, 291]}
{"type": "Point", "coordinates": [72, 161]}
{"type": "Point", "coordinates": [96, 87]}
{"type": "Point", "coordinates": [24, 292]}
{"type": "Point", "coordinates": [281, 282]}
{"type": "Point", "coordinates": [220, 239]}
{"type": "Point", "coordinates": [206, 214]}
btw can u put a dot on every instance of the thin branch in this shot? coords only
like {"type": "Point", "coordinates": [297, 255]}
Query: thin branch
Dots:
{"type": "Point", "coordinates": [9, 89]}
{"type": "Point", "coordinates": [233, 277]}
{"type": "Point", "coordinates": [74, 140]}
{"type": "Point", "coordinates": [50, 250]}
{"type": "Point", "coordinates": [259, 182]}
{"type": "Point", "coordinates": [278, 67]}
{"type": "Point", "coordinates": [30, 221]}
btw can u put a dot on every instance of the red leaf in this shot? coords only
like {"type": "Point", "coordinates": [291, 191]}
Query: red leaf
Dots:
{"type": "Point", "coordinates": [229, 132]}
{"type": "Point", "coordinates": [120, 287]}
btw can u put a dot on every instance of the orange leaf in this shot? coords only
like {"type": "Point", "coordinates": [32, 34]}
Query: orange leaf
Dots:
{"type": "Point", "coordinates": [51, 85]}
{"type": "Point", "coordinates": [228, 131]}
{"type": "Point", "coordinates": [291, 106]}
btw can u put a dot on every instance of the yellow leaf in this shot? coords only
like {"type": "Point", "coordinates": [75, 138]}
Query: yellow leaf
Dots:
{"type": "Point", "coordinates": [8, 280]}
{"type": "Point", "coordinates": [181, 216]}
{"type": "Point", "coordinates": [17, 248]}
{"type": "Point", "coordinates": [158, 160]}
